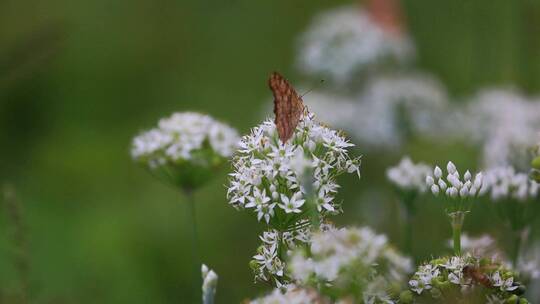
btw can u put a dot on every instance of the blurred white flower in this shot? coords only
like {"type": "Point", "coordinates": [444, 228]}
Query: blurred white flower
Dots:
{"type": "Point", "coordinates": [388, 111]}
{"type": "Point", "coordinates": [293, 295]}
{"type": "Point", "coordinates": [352, 261]}
{"type": "Point", "coordinates": [504, 123]}
{"type": "Point", "coordinates": [409, 176]}
{"type": "Point", "coordinates": [529, 263]}
{"type": "Point", "coordinates": [504, 183]}
{"type": "Point", "coordinates": [182, 144]}
{"type": "Point", "coordinates": [345, 41]}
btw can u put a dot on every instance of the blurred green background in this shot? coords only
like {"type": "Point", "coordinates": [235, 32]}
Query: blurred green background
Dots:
{"type": "Point", "coordinates": [78, 79]}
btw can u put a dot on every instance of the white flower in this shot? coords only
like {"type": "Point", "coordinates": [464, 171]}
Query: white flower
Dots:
{"type": "Point", "coordinates": [181, 137]}
{"type": "Point", "coordinates": [410, 176]}
{"type": "Point", "coordinates": [504, 183]}
{"type": "Point", "coordinates": [457, 270]}
{"type": "Point", "coordinates": [293, 295]}
{"type": "Point", "coordinates": [529, 263]}
{"type": "Point", "coordinates": [350, 257]}
{"type": "Point", "coordinates": [269, 267]}
{"type": "Point", "coordinates": [346, 40]}
{"type": "Point", "coordinates": [292, 204]}
{"type": "Point", "coordinates": [504, 285]}
{"type": "Point", "coordinates": [284, 172]}
{"type": "Point", "coordinates": [504, 123]}
{"type": "Point", "coordinates": [424, 276]}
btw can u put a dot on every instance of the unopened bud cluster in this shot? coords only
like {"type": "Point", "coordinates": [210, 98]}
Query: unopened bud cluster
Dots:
{"type": "Point", "coordinates": [454, 185]}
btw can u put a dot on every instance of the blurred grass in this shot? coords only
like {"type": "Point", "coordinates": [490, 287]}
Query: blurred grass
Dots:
{"type": "Point", "coordinates": [79, 79]}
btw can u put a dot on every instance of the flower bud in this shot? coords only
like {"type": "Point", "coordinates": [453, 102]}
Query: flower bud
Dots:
{"type": "Point", "coordinates": [536, 163]}
{"type": "Point", "coordinates": [453, 192]}
{"type": "Point", "coordinates": [454, 181]}
{"type": "Point", "coordinates": [451, 168]}
{"type": "Point", "coordinates": [467, 176]}
{"type": "Point", "coordinates": [512, 300]}
{"type": "Point", "coordinates": [437, 172]}
{"type": "Point", "coordinates": [429, 180]}
{"type": "Point", "coordinates": [435, 189]}
{"type": "Point", "coordinates": [463, 192]}
{"type": "Point", "coordinates": [478, 180]}
{"type": "Point", "coordinates": [442, 185]}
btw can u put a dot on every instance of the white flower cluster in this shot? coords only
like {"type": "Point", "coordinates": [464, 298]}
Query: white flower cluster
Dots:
{"type": "Point", "coordinates": [285, 184]}
{"type": "Point", "coordinates": [209, 285]}
{"type": "Point", "coordinates": [346, 41]}
{"type": "Point", "coordinates": [505, 123]}
{"type": "Point", "coordinates": [185, 137]}
{"type": "Point", "coordinates": [393, 108]}
{"type": "Point", "coordinates": [388, 110]}
{"type": "Point", "coordinates": [504, 183]}
{"type": "Point", "coordinates": [293, 295]}
{"type": "Point", "coordinates": [275, 179]}
{"type": "Point", "coordinates": [350, 260]}
{"type": "Point", "coordinates": [268, 264]}
{"type": "Point", "coordinates": [453, 185]}
{"type": "Point", "coordinates": [464, 275]}
{"type": "Point", "coordinates": [408, 176]}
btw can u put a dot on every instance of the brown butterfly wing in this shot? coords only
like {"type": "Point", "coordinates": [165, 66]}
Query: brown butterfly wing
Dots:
{"type": "Point", "coordinates": [288, 106]}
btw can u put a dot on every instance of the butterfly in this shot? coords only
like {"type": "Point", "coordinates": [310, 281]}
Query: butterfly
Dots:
{"type": "Point", "coordinates": [288, 106]}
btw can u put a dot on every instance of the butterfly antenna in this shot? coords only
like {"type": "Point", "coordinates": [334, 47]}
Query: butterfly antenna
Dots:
{"type": "Point", "coordinates": [313, 88]}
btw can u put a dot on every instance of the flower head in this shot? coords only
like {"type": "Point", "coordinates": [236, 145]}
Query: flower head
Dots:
{"type": "Point", "coordinates": [504, 123]}
{"type": "Point", "coordinates": [388, 110]}
{"type": "Point", "coordinates": [352, 261]}
{"type": "Point", "coordinates": [466, 277]}
{"type": "Point", "coordinates": [276, 180]}
{"type": "Point", "coordinates": [293, 295]}
{"type": "Point", "coordinates": [185, 147]}
{"type": "Point", "coordinates": [409, 176]}
{"type": "Point", "coordinates": [504, 183]}
{"type": "Point", "coordinates": [268, 264]}
{"type": "Point", "coordinates": [453, 185]}
{"type": "Point", "coordinates": [346, 41]}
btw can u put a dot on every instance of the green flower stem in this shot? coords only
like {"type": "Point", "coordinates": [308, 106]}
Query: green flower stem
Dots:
{"type": "Point", "coordinates": [457, 240]}
{"type": "Point", "coordinates": [519, 238]}
{"type": "Point", "coordinates": [456, 220]}
{"type": "Point", "coordinates": [311, 197]}
{"type": "Point", "coordinates": [408, 201]}
{"type": "Point", "coordinates": [192, 219]}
